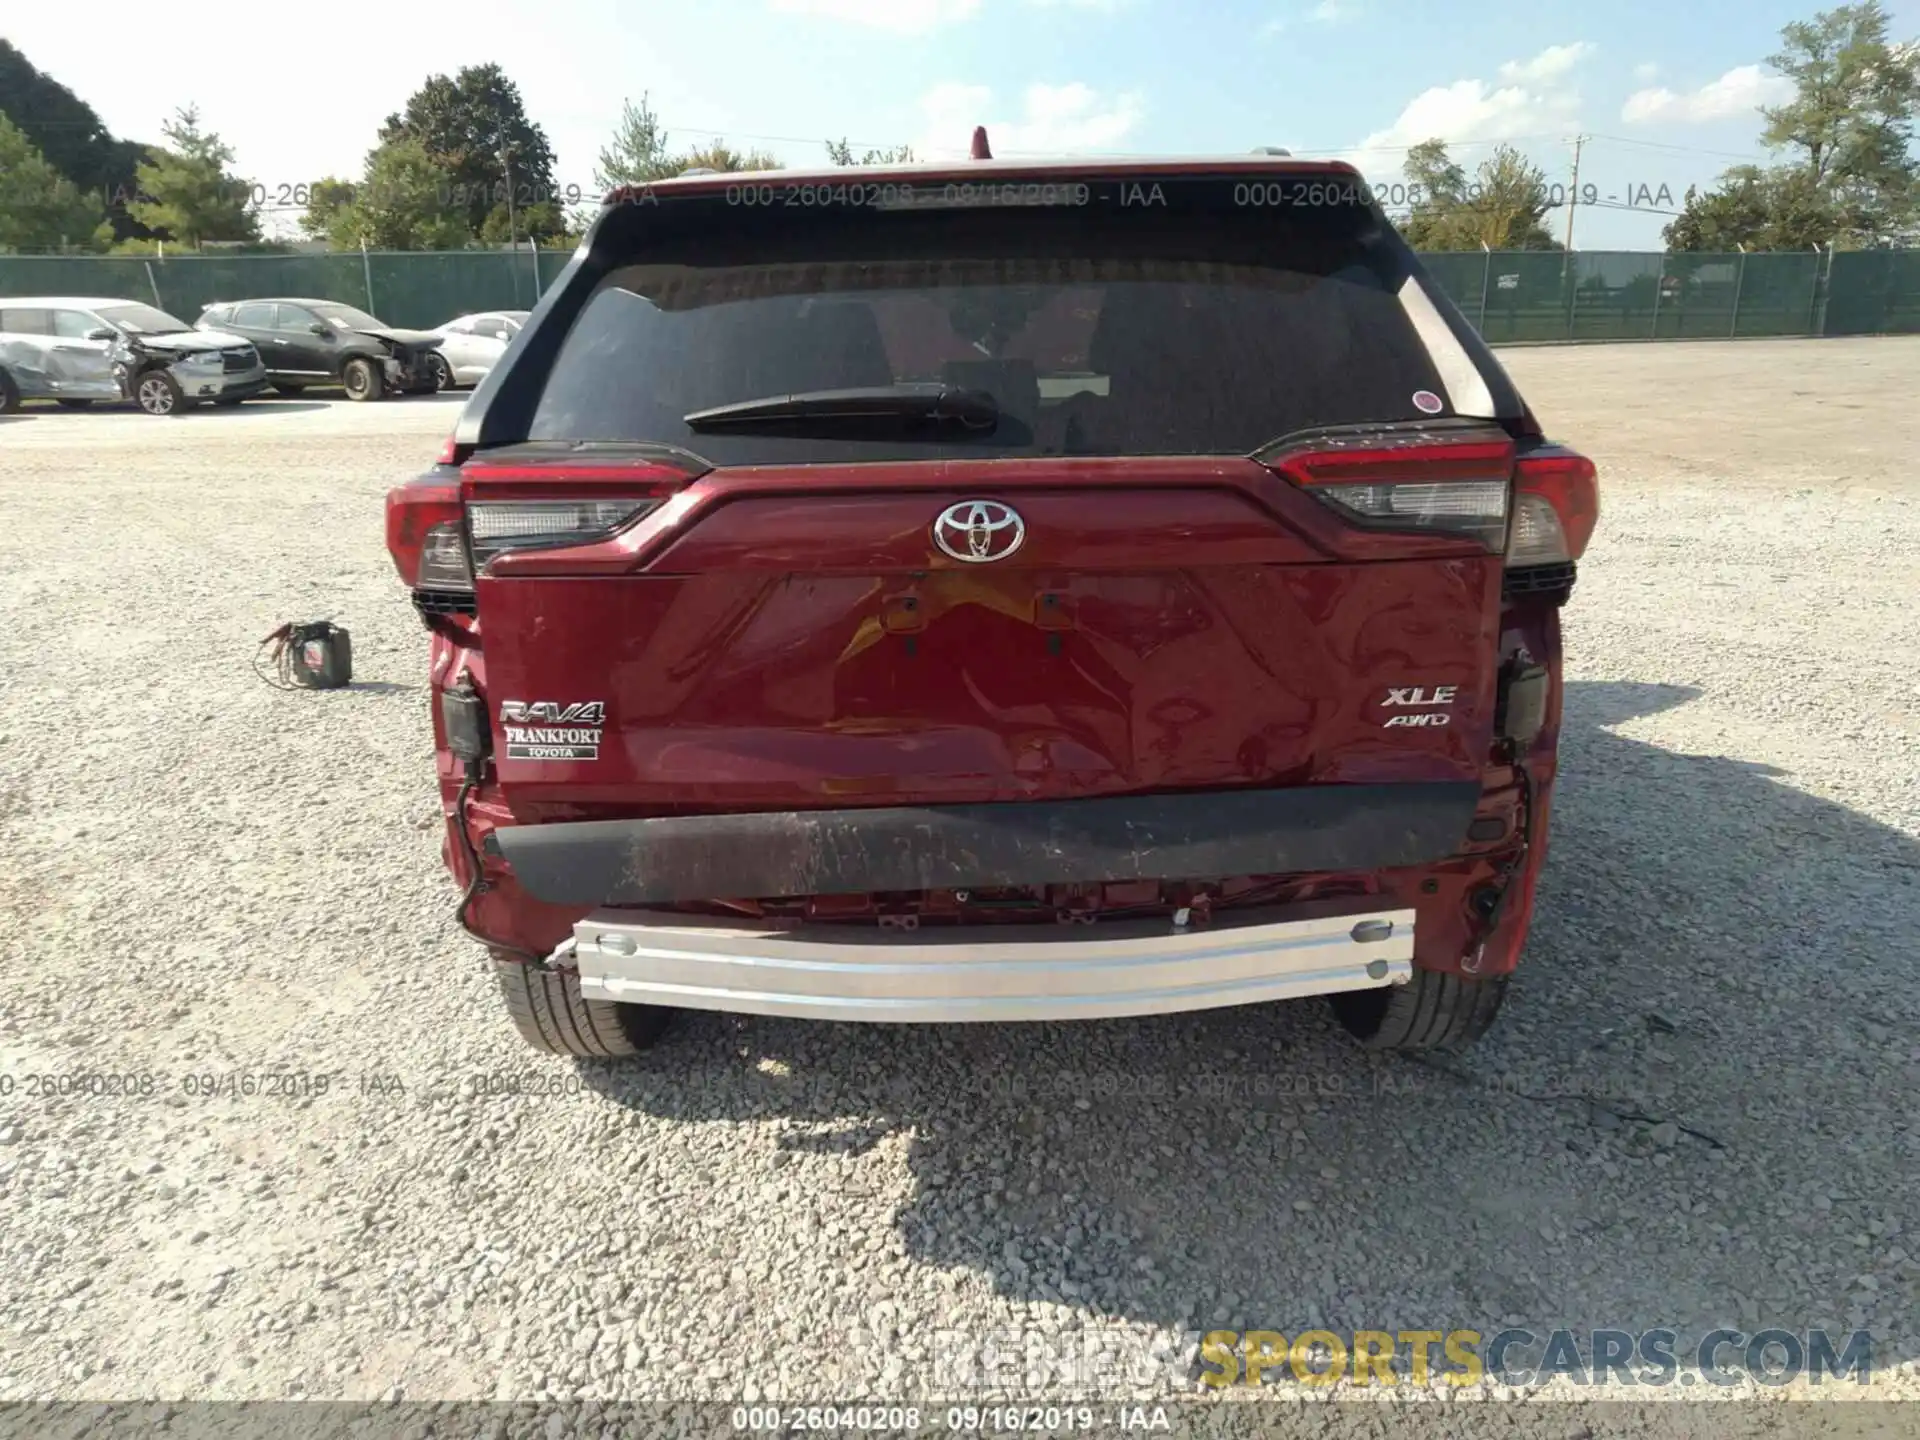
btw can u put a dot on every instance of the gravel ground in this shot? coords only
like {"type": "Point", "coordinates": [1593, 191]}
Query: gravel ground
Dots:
{"type": "Point", "coordinates": [1696, 1110]}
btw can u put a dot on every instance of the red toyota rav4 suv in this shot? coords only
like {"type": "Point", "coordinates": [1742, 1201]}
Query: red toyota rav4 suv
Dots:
{"type": "Point", "coordinates": [999, 591]}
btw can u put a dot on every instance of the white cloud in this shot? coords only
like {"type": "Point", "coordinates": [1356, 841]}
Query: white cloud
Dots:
{"type": "Point", "coordinates": [1646, 73]}
{"type": "Point", "coordinates": [906, 17]}
{"type": "Point", "coordinates": [1550, 64]}
{"type": "Point", "coordinates": [1740, 91]}
{"type": "Point", "coordinates": [1327, 12]}
{"type": "Point", "coordinates": [1536, 99]}
{"type": "Point", "coordinates": [1053, 120]}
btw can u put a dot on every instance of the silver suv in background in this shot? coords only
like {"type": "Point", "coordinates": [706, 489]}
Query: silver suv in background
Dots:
{"type": "Point", "coordinates": [78, 350]}
{"type": "Point", "coordinates": [472, 345]}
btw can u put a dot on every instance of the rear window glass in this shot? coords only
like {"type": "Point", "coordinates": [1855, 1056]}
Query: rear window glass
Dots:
{"type": "Point", "coordinates": [1132, 318]}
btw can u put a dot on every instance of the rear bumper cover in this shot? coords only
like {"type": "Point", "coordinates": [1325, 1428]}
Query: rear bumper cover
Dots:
{"type": "Point", "coordinates": [996, 973]}
{"type": "Point", "coordinates": [671, 860]}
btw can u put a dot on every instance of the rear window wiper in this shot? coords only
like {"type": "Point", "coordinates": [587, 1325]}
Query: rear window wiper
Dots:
{"type": "Point", "coordinates": [889, 404]}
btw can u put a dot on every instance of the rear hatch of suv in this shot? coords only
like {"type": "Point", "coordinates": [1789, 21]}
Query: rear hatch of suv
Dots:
{"type": "Point", "coordinates": [937, 492]}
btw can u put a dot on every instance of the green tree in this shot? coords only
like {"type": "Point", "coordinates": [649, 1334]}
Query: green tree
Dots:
{"type": "Point", "coordinates": [1855, 94]}
{"type": "Point", "coordinates": [841, 153]}
{"type": "Point", "coordinates": [188, 193]}
{"type": "Point", "coordinates": [1735, 212]}
{"type": "Point", "coordinates": [543, 222]}
{"type": "Point", "coordinates": [1847, 172]}
{"type": "Point", "coordinates": [1782, 207]}
{"type": "Point", "coordinates": [723, 157]}
{"type": "Point", "coordinates": [40, 209]}
{"type": "Point", "coordinates": [71, 137]}
{"type": "Point", "coordinates": [1435, 173]}
{"type": "Point", "coordinates": [474, 126]}
{"type": "Point", "coordinates": [407, 200]}
{"type": "Point", "coordinates": [326, 198]}
{"type": "Point", "coordinates": [638, 151]}
{"type": "Point", "coordinates": [1502, 205]}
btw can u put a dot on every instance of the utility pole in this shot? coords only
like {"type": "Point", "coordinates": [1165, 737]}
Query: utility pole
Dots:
{"type": "Point", "coordinates": [1573, 196]}
{"type": "Point", "coordinates": [506, 164]}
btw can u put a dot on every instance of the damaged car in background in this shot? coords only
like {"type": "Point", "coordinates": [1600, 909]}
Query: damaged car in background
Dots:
{"type": "Point", "coordinates": [321, 342]}
{"type": "Point", "coordinates": [76, 351]}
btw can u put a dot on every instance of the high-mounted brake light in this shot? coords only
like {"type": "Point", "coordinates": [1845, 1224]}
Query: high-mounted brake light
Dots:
{"type": "Point", "coordinates": [1453, 486]}
{"type": "Point", "coordinates": [1556, 506]}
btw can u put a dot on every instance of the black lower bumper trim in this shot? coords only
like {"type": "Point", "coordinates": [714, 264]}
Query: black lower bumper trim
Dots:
{"type": "Point", "coordinates": [840, 852]}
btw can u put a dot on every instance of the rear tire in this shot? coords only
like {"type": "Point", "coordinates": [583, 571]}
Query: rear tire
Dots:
{"type": "Point", "coordinates": [441, 372]}
{"type": "Point", "coordinates": [9, 394]}
{"type": "Point", "coordinates": [1432, 1011]}
{"type": "Point", "coordinates": [361, 381]}
{"type": "Point", "coordinates": [550, 1013]}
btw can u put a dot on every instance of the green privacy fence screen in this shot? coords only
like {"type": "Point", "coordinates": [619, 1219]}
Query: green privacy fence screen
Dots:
{"type": "Point", "coordinates": [1513, 296]}
{"type": "Point", "coordinates": [407, 288]}
{"type": "Point", "coordinates": [1518, 296]}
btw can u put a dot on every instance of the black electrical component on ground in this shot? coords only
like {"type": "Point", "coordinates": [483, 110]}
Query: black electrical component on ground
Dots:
{"type": "Point", "coordinates": [309, 655]}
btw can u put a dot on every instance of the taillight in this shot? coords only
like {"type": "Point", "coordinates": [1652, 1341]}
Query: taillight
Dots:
{"type": "Point", "coordinates": [498, 525]}
{"type": "Point", "coordinates": [424, 534]}
{"type": "Point", "coordinates": [1556, 505]}
{"type": "Point", "coordinates": [1452, 486]}
{"type": "Point", "coordinates": [444, 527]}
{"type": "Point", "coordinates": [541, 504]}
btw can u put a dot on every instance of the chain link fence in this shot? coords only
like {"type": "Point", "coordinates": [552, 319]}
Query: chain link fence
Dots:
{"type": "Point", "coordinates": [1514, 297]}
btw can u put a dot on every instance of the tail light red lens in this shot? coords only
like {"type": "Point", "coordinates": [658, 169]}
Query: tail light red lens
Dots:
{"type": "Point", "coordinates": [442, 528]}
{"type": "Point", "coordinates": [1556, 506]}
{"type": "Point", "coordinates": [1455, 486]}
{"type": "Point", "coordinates": [424, 523]}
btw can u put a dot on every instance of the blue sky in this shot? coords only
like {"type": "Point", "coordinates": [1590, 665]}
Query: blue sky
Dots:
{"type": "Point", "coordinates": [1666, 90]}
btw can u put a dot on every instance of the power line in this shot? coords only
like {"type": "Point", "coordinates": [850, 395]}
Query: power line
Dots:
{"type": "Point", "coordinates": [1683, 149]}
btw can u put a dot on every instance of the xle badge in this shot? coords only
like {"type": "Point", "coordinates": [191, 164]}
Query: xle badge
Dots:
{"type": "Point", "coordinates": [1423, 698]}
{"type": "Point", "coordinates": [549, 730]}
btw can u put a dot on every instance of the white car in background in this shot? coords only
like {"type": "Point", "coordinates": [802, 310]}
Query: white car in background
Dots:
{"type": "Point", "coordinates": [472, 345]}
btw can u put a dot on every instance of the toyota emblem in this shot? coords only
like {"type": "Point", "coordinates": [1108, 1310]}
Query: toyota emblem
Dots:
{"type": "Point", "coordinates": [976, 531]}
